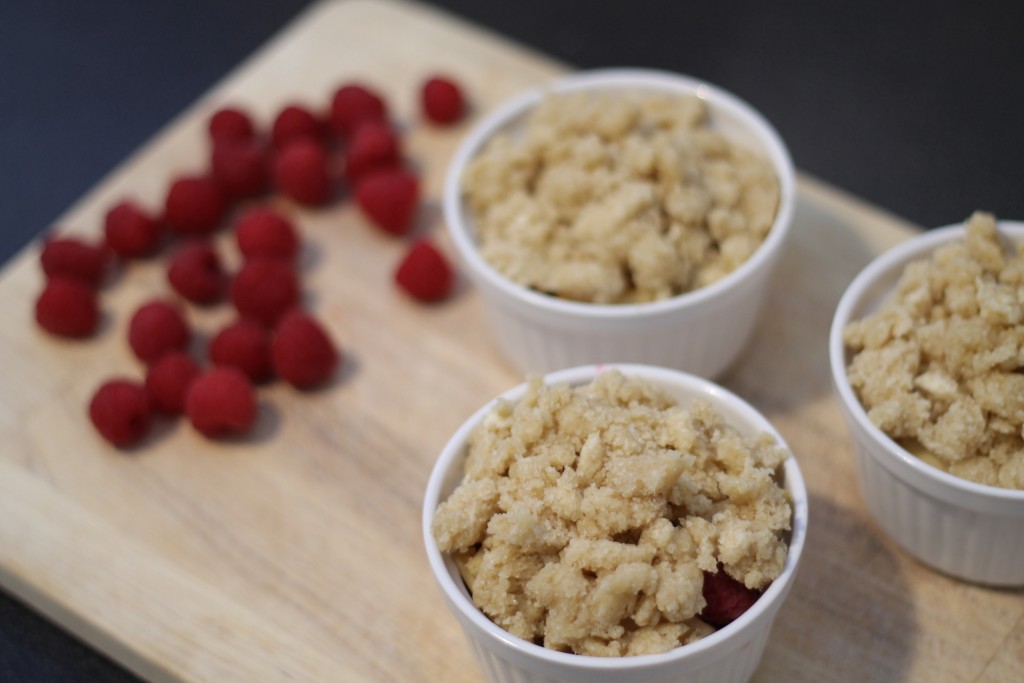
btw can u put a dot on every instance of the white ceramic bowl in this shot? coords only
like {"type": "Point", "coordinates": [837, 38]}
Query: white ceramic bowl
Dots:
{"type": "Point", "coordinates": [730, 655]}
{"type": "Point", "coordinates": [968, 530]}
{"type": "Point", "coordinates": [701, 332]}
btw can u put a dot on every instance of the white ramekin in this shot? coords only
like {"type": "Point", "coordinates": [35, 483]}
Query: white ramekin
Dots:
{"type": "Point", "coordinates": [730, 655]}
{"type": "Point", "coordinates": [967, 530]}
{"type": "Point", "coordinates": [701, 332]}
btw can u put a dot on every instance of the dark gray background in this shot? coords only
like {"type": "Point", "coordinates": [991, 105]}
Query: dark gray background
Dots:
{"type": "Point", "coordinates": [915, 106]}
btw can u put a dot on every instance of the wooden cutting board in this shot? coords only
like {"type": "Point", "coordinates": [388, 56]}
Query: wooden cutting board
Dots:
{"type": "Point", "coordinates": [294, 554]}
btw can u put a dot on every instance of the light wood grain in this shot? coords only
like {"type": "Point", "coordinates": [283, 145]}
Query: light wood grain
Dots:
{"type": "Point", "coordinates": [295, 553]}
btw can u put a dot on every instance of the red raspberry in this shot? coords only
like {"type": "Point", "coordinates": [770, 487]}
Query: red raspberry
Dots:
{"type": "Point", "coordinates": [302, 353]}
{"type": "Point", "coordinates": [424, 273]}
{"type": "Point", "coordinates": [245, 345]}
{"type": "Point", "coordinates": [373, 145]}
{"type": "Point", "coordinates": [261, 231]}
{"type": "Point", "coordinates": [132, 232]}
{"type": "Point", "coordinates": [240, 166]}
{"type": "Point", "coordinates": [301, 172]}
{"type": "Point", "coordinates": [389, 198]}
{"type": "Point", "coordinates": [231, 123]}
{"type": "Point", "coordinates": [156, 328]}
{"type": "Point", "coordinates": [353, 104]}
{"type": "Point", "coordinates": [195, 205]}
{"type": "Point", "coordinates": [294, 122]}
{"type": "Point", "coordinates": [168, 381]}
{"type": "Point", "coordinates": [67, 308]}
{"type": "Point", "coordinates": [726, 598]}
{"type": "Point", "coordinates": [264, 289]}
{"type": "Point", "coordinates": [121, 412]}
{"type": "Point", "coordinates": [195, 273]}
{"type": "Point", "coordinates": [220, 401]}
{"type": "Point", "coordinates": [442, 100]}
{"type": "Point", "coordinates": [74, 258]}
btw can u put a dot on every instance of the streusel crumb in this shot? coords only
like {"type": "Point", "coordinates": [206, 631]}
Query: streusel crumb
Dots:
{"type": "Point", "coordinates": [940, 367]}
{"type": "Point", "coordinates": [588, 515]}
{"type": "Point", "coordinates": [619, 199]}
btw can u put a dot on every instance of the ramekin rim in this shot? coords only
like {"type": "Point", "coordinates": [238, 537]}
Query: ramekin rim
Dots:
{"type": "Point", "coordinates": [763, 256]}
{"type": "Point", "coordinates": [885, 264]}
{"type": "Point", "coordinates": [701, 648]}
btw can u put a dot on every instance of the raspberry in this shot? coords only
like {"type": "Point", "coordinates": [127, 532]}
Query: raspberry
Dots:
{"type": "Point", "coordinates": [67, 308]}
{"type": "Point", "coordinates": [726, 598]}
{"type": "Point", "coordinates": [121, 412]}
{"type": "Point", "coordinates": [131, 232]}
{"type": "Point", "coordinates": [294, 122]}
{"type": "Point", "coordinates": [195, 273]}
{"type": "Point", "coordinates": [245, 345]}
{"type": "Point", "coordinates": [373, 145]}
{"type": "Point", "coordinates": [74, 258]}
{"type": "Point", "coordinates": [389, 198]}
{"type": "Point", "coordinates": [195, 205]}
{"type": "Point", "coordinates": [262, 231]}
{"type": "Point", "coordinates": [156, 328]}
{"type": "Point", "coordinates": [301, 172]}
{"type": "Point", "coordinates": [302, 353]}
{"type": "Point", "coordinates": [231, 123]}
{"type": "Point", "coordinates": [424, 273]}
{"type": "Point", "coordinates": [353, 104]}
{"type": "Point", "coordinates": [240, 166]}
{"type": "Point", "coordinates": [221, 401]}
{"type": "Point", "coordinates": [442, 100]}
{"type": "Point", "coordinates": [264, 289]}
{"type": "Point", "coordinates": [168, 381]}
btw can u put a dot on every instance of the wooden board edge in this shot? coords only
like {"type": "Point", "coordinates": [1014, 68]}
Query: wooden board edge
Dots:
{"type": "Point", "coordinates": [111, 592]}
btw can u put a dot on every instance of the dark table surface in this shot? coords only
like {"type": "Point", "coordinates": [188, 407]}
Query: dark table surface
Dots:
{"type": "Point", "coordinates": [916, 107]}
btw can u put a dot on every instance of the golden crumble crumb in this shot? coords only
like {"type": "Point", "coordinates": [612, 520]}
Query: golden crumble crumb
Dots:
{"type": "Point", "coordinates": [617, 199]}
{"type": "Point", "coordinates": [939, 366]}
{"type": "Point", "coordinates": [588, 515]}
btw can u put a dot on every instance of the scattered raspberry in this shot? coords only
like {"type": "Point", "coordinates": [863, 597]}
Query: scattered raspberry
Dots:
{"type": "Point", "coordinates": [120, 411]}
{"type": "Point", "coordinates": [195, 205]}
{"type": "Point", "coordinates": [264, 289]}
{"type": "Point", "coordinates": [389, 198]}
{"type": "Point", "coordinates": [295, 122]}
{"type": "Point", "coordinates": [374, 145]}
{"type": "Point", "coordinates": [424, 273]}
{"type": "Point", "coordinates": [261, 231]}
{"type": "Point", "coordinates": [302, 353]}
{"type": "Point", "coordinates": [726, 598]}
{"type": "Point", "coordinates": [245, 345]}
{"type": "Point", "coordinates": [131, 232]}
{"type": "Point", "coordinates": [220, 401]}
{"type": "Point", "coordinates": [301, 172]}
{"type": "Point", "coordinates": [156, 328]}
{"type": "Point", "coordinates": [240, 167]}
{"type": "Point", "coordinates": [442, 100]}
{"type": "Point", "coordinates": [195, 273]}
{"type": "Point", "coordinates": [67, 308]}
{"type": "Point", "coordinates": [354, 104]}
{"type": "Point", "coordinates": [74, 258]}
{"type": "Point", "coordinates": [231, 123]}
{"type": "Point", "coordinates": [168, 381]}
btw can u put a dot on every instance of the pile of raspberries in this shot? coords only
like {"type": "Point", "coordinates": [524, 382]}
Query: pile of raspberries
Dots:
{"type": "Point", "coordinates": [272, 336]}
